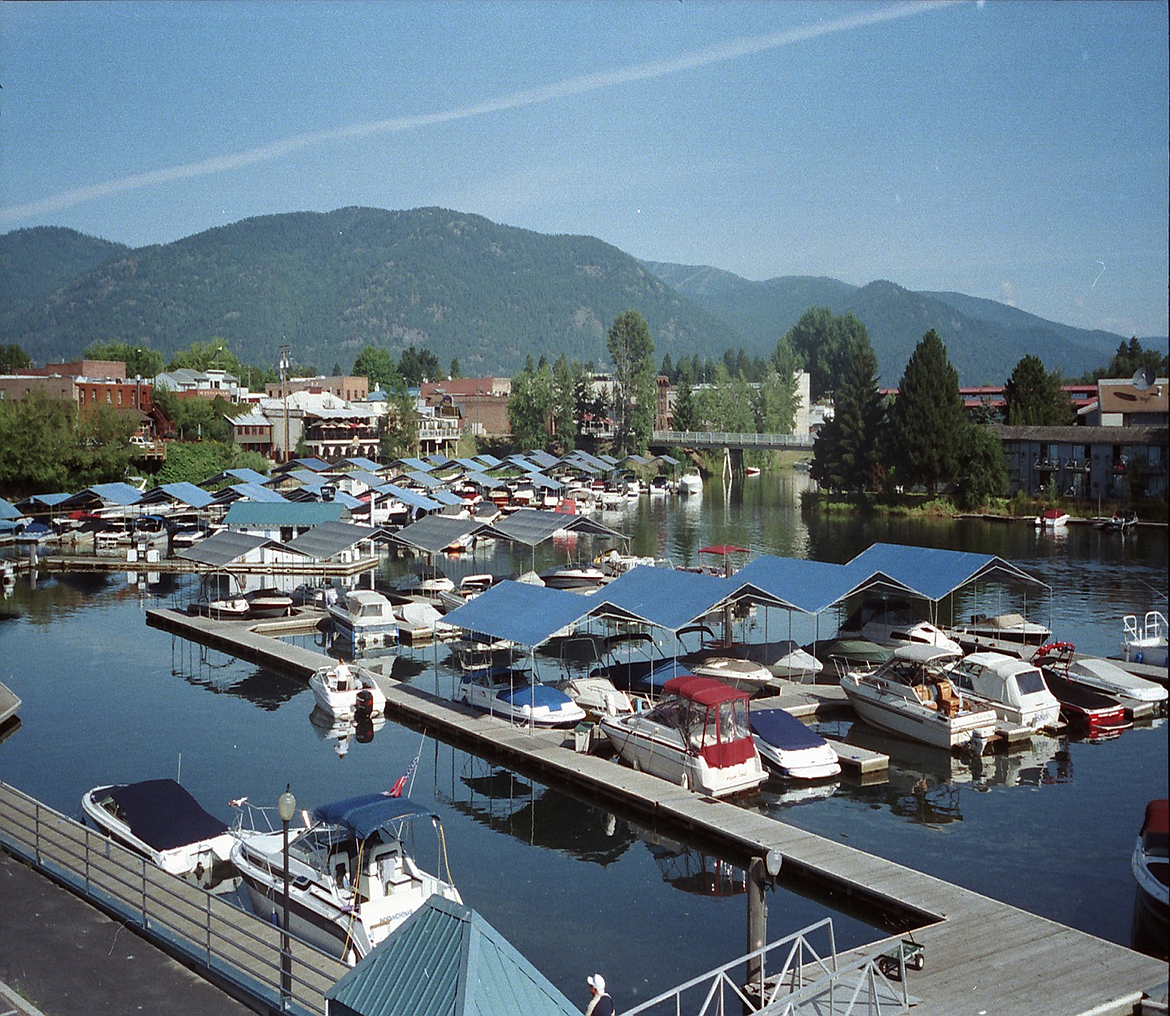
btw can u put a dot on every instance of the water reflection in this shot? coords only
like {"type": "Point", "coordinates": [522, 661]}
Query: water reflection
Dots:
{"type": "Point", "coordinates": [222, 674]}
{"type": "Point", "coordinates": [691, 870]}
{"type": "Point", "coordinates": [340, 734]}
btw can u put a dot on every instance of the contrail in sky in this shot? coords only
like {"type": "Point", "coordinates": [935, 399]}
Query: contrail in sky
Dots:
{"type": "Point", "coordinates": [581, 85]}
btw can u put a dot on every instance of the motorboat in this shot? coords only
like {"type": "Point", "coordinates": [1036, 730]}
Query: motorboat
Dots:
{"type": "Point", "coordinates": [691, 482]}
{"type": "Point", "coordinates": [698, 736]}
{"type": "Point", "coordinates": [470, 654]}
{"type": "Point", "coordinates": [165, 824]}
{"type": "Point", "coordinates": [1122, 520]}
{"type": "Point", "coordinates": [221, 596]}
{"type": "Point", "coordinates": [268, 602]}
{"type": "Point", "coordinates": [845, 655]}
{"type": "Point", "coordinates": [596, 695]}
{"type": "Point", "coordinates": [746, 675]}
{"type": "Point", "coordinates": [1091, 712]}
{"type": "Point", "coordinates": [418, 620]}
{"type": "Point", "coordinates": [912, 696]}
{"type": "Point", "coordinates": [1014, 688]}
{"type": "Point", "coordinates": [428, 582]}
{"type": "Point", "coordinates": [1103, 676]}
{"type": "Point", "coordinates": [791, 749]}
{"type": "Point", "coordinates": [576, 578]}
{"type": "Point", "coordinates": [343, 692]}
{"type": "Point", "coordinates": [1009, 627]}
{"type": "Point", "coordinates": [363, 619]}
{"type": "Point", "coordinates": [893, 623]}
{"type": "Point", "coordinates": [1151, 864]}
{"type": "Point", "coordinates": [659, 486]}
{"type": "Point", "coordinates": [352, 879]}
{"type": "Point", "coordinates": [1144, 642]}
{"type": "Point", "coordinates": [514, 695]}
{"type": "Point", "coordinates": [309, 595]}
{"type": "Point", "coordinates": [1052, 520]}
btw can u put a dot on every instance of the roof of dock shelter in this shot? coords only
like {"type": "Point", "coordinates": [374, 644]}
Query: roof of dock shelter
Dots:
{"type": "Point", "coordinates": [328, 539]}
{"type": "Point", "coordinates": [250, 491]}
{"type": "Point", "coordinates": [284, 513]}
{"type": "Point", "coordinates": [446, 497]}
{"type": "Point", "coordinates": [470, 970]}
{"type": "Point", "coordinates": [410, 497]}
{"type": "Point", "coordinates": [223, 548]}
{"type": "Point", "coordinates": [112, 494]}
{"type": "Point", "coordinates": [424, 479]}
{"type": "Point", "coordinates": [8, 510]}
{"type": "Point", "coordinates": [179, 493]}
{"type": "Point", "coordinates": [528, 615]}
{"type": "Point", "coordinates": [934, 573]}
{"type": "Point", "coordinates": [488, 460]}
{"type": "Point", "coordinates": [471, 464]}
{"type": "Point", "coordinates": [433, 533]}
{"type": "Point", "coordinates": [666, 598]}
{"type": "Point", "coordinates": [439, 461]}
{"type": "Point", "coordinates": [311, 463]}
{"type": "Point", "coordinates": [479, 479]}
{"type": "Point", "coordinates": [807, 586]}
{"type": "Point", "coordinates": [668, 459]}
{"type": "Point", "coordinates": [361, 462]}
{"type": "Point", "coordinates": [416, 464]}
{"type": "Point", "coordinates": [542, 458]}
{"type": "Point", "coordinates": [370, 479]}
{"type": "Point", "coordinates": [531, 526]}
{"type": "Point", "coordinates": [543, 482]}
{"type": "Point", "coordinates": [243, 475]}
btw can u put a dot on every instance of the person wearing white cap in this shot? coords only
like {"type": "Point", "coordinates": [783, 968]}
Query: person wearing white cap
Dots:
{"type": "Point", "coordinates": [600, 1004]}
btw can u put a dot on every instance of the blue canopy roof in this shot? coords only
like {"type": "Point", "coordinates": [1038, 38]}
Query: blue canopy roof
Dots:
{"type": "Point", "coordinates": [8, 510]}
{"type": "Point", "coordinates": [542, 458]}
{"type": "Point", "coordinates": [121, 494]}
{"type": "Point", "coordinates": [424, 479]}
{"type": "Point", "coordinates": [412, 463]}
{"type": "Point", "coordinates": [666, 598]}
{"type": "Point", "coordinates": [809, 586]}
{"type": "Point", "coordinates": [529, 615]}
{"type": "Point", "coordinates": [181, 492]}
{"type": "Point", "coordinates": [366, 814]}
{"type": "Point", "coordinates": [254, 492]}
{"type": "Point", "coordinates": [411, 497]}
{"type": "Point", "coordinates": [470, 464]}
{"type": "Point", "coordinates": [363, 463]}
{"type": "Point", "coordinates": [935, 573]}
{"type": "Point", "coordinates": [489, 460]}
{"type": "Point", "coordinates": [446, 497]}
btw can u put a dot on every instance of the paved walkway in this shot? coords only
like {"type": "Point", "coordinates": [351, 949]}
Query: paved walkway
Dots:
{"type": "Point", "coordinates": [59, 956]}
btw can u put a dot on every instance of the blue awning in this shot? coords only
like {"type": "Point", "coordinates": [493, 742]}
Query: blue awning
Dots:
{"type": "Point", "coordinates": [368, 813]}
{"type": "Point", "coordinates": [528, 615]}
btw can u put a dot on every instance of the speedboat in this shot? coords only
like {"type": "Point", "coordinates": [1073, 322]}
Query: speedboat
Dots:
{"type": "Point", "coordinates": [1151, 864]}
{"type": "Point", "coordinates": [577, 578]}
{"type": "Point", "coordinates": [785, 659]}
{"type": "Point", "coordinates": [912, 696]}
{"type": "Point", "coordinates": [221, 596]}
{"type": "Point", "coordinates": [352, 880]}
{"type": "Point", "coordinates": [1014, 688]}
{"type": "Point", "coordinates": [746, 675]}
{"type": "Point", "coordinates": [1121, 521]}
{"type": "Point", "coordinates": [364, 619]}
{"type": "Point", "coordinates": [344, 692]}
{"type": "Point", "coordinates": [1102, 675]}
{"type": "Point", "coordinates": [1092, 712]}
{"type": "Point", "coordinates": [1052, 520]}
{"type": "Point", "coordinates": [428, 582]}
{"type": "Point", "coordinates": [513, 695]}
{"type": "Point", "coordinates": [698, 736]}
{"type": "Point", "coordinates": [790, 749]}
{"type": "Point", "coordinates": [1145, 642]}
{"type": "Point", "coordinates": [268, 602]}
{"type": "Point", "coordinates": [691, 482]}
{"type": "Point", "coordinates": [596, 695]}
{"type": "Point", "coordinates": [1006, 628]}
{"type": "Point", "coordinates": [164, 823]}
{"type": "Point", "coordinates": [852, 654]}
{"type": "Point", "coordinates": [893, 623]}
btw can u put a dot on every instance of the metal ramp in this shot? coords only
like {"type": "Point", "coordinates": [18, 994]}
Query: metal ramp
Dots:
{"type": "Point", "coordinates": [808, 982]}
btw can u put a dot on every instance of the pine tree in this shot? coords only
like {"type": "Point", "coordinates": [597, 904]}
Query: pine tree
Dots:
{"type": "Point", "coordinates": [926, 422]}
{"type": "Point", "coordinates": [845, 456]}
{"type": "Point", "coordinates": [1033, 397]}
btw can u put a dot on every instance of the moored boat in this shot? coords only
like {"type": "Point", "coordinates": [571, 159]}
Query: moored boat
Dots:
{"type": "Point", "coordinates": [1145, 642]}
{"type": "Point", "coordinates": [344, 692]}
{"type": "Point", "coordinates": [790, 749]}
{"type": "Point", "coordinates": [1121, 521]}
{"type": "Point", "coordinates": [1009, 627]}
{"type": "Point", "coordinates": [691, 482]}
{"type": "Point", "coordinates": [364, 619]}
{"type": "Point", "coordinates": [1052, 519]}
{"type": "Point", "coordinates": [1103, 676]}
{"type": "Point", "coordinates": [164, 823]}
{"type": "Point", "coordinates": [352, 878]}
{"type": "Point", "coordinates": [1092, 713]}
{"type": "Point", "coordinates": [1012, 687]}
{"type": "Point", "coordinates": [912, 696]}
{"type": "Point", "coordinates": [698, 736]}
{"type": "Point", "coordinates": [1151, 864]}
{"type": "Point", "coordinates": [513, 695]}
{"type": "Point", "coordinates": [268, 602]}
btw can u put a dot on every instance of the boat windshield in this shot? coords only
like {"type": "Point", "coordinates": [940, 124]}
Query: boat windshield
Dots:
{"type": "Point", "coordinates": [1030, 681]}
{"type": "Point", "coordinates": [316, 844]}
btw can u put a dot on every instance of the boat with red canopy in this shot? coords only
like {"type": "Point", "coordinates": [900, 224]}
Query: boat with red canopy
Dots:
{"type": "Point", "coordinates": [698, 736]}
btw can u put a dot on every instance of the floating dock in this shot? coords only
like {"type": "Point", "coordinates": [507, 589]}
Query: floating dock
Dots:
{"type": "Point", "coordinates": [982, 956]}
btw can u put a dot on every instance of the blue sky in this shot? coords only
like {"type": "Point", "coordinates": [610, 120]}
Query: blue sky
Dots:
{"type": "Point", "coordinates": [1016, 152]}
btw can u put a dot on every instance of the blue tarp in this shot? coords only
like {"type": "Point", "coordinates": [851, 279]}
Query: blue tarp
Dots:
{"type": "Point", "coordinates": [529, 615]}
{"type": "Point", "coordinates": [368, 813]}
{"type": "Point", "coordinates": [666, 598]}
{"type": "Point", "coordinates": [934, 573]}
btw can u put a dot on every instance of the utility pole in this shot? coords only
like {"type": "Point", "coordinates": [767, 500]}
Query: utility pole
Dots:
{"type": "Point", "coordinates": [284, 388]}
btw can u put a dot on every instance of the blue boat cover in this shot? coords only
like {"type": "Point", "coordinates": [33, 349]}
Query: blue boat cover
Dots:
{"type": "Point", "coordinates": [366, 814]}
{"type": "Point", "coordinates": [535, 695]}
{"type": "Point", "coordinates": [783, 730]}
{"type": "Point", "coordinates": [162, 814]}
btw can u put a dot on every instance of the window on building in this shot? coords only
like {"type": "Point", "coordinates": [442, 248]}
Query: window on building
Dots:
{"type": "Point", "coordinates": [109, 398]}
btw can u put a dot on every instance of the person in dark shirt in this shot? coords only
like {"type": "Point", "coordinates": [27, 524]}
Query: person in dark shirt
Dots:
{"type": "Point", "coordinates": [600, 1004]}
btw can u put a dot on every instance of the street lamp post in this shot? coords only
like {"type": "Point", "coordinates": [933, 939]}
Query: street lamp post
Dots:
{"type": "Point", "coordinates": [284, 365]}
{"type": "Point", "coordinates": [286, 805]}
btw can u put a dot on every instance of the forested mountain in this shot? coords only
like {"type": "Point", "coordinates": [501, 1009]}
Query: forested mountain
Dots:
{"type": "Point", "coordinates": [462, 286]}
{"type": "Point", "coordinates": [329, 284]}
{"type": "Point", "coordinates": [984, 339]}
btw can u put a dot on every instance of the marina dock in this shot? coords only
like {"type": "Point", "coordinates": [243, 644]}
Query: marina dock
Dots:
{"type": "Point", "coordinates": [982, 956]}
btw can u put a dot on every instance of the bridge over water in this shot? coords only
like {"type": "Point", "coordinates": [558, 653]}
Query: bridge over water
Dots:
{"type": "Point", "coordinates": [733, 445]}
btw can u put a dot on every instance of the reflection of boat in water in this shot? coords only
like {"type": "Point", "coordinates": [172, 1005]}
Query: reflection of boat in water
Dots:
{"type": "Point", "coordinates": [353, 878]}
{"type": "Point", "coordinates": [343, 732]}
{"type": "Point", "coordinates": [693, 871]}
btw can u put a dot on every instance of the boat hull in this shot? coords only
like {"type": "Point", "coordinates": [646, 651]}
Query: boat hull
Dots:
{"type": "Point", "coordinates": [896, 715]}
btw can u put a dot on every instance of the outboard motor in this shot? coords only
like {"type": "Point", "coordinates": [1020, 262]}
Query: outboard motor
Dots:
{"type": "Point", "coordinates": [364, 702]}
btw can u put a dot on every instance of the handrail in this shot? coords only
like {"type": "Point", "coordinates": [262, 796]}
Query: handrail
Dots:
{"type": "Point", "coordinates": [183, 918]}
{"type": "Point", "coordinates": [725, 439]}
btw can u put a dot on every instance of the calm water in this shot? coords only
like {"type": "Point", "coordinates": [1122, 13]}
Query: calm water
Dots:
{"type": "Point", "coordinates": [575, 889]}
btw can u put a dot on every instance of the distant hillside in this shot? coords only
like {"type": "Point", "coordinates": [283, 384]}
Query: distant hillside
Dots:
{"type": "Point", "coordinates": [34, 262]}
{"type": "Point", "coordinates": [328, 284]}
{"type": "Point", "coordinates": [984, 339]}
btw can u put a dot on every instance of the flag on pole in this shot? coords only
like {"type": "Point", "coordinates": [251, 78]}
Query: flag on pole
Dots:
{"type": "Point", "coordinates": [396, 790]}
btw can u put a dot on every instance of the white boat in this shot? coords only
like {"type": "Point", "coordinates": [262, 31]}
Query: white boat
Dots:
{"type": "Point", "coordinates": [352, 879]}
{"type": "Point", "coordinates": [221, 596]}
{"type": "Point", "coordinates": [790, 749]}
{"type": "Point", "coordinates": [698, 736]}
{"type": "Point", "coordinates": [164, 823]}
{"type": "Point", "coordinates": [1007, 628]}
{"type": "Point", "coordinates": [513, 695]}
{"type": "Point", "coordinates": [1052, 520]}
{"type": "Point", "coordinates": [576, 578]}
{"type": "Point", "coordinates": [746, 675]}
{"type": "Point", "coordinates": [1014, 688]}
{"type": "Point", "coordinates": [268, 602]}
{"type": "Point", "coordinates": [893, 623]}
{"type": "Point", "coordinates": [912, 696]}
{"type": "Point", "coordinates": [691, 482]}
{"type": "Point", "coordinates": [344, 692]}
{"type": "Point", "coordinates": [1151, 864]}
{"type": "Point", "coordinates": [363, 619]}
{"type": "Point", "coordinates": [596, 695]}
{"type": "Point", "coordinates": [428, 582]}
{"type": "Point", "coordinates": [418, 620]}
{"type": "Point", "coordinates": [1145, 642]}
{"type": "Point", "coordinates": [785, 659]}
{"type": "Point", "coordinates": [1108, 677]}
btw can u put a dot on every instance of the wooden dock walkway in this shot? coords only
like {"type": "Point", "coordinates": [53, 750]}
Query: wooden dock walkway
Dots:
{"type": "Point", "coordinates": [982, 956]}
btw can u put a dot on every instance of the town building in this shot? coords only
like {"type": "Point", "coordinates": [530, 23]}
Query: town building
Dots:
{"type": "Point", "coordinates": [480, 402]}
{"type": "Point", "coordinates": [351, 388]}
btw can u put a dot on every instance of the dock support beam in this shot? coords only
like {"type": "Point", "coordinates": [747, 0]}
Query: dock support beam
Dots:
{"type": "Point", "coordinates": [757, 918]}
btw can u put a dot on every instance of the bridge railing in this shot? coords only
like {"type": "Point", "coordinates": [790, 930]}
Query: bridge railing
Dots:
{"type": "Point", "coordinates": [185, 920]}
{"type": "Point", "coordinates": [721, 439]}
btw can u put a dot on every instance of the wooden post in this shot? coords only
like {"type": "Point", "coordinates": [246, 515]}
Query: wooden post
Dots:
{"type": "Point", "coordinates": [757, 918]}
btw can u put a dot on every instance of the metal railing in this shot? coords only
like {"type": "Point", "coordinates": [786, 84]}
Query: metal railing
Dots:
{"type": "Point", "coordinates": [808, 981]}
{"type": "Point", "coordinates": [717, 439]}
{"type": "Point", "coordinates": [185, 920]}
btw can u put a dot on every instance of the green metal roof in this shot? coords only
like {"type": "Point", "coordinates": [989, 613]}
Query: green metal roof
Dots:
{"type": "Point", "coordinates": [445, 960]}
{"type": "Point", "coordinates": [283, 513]}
